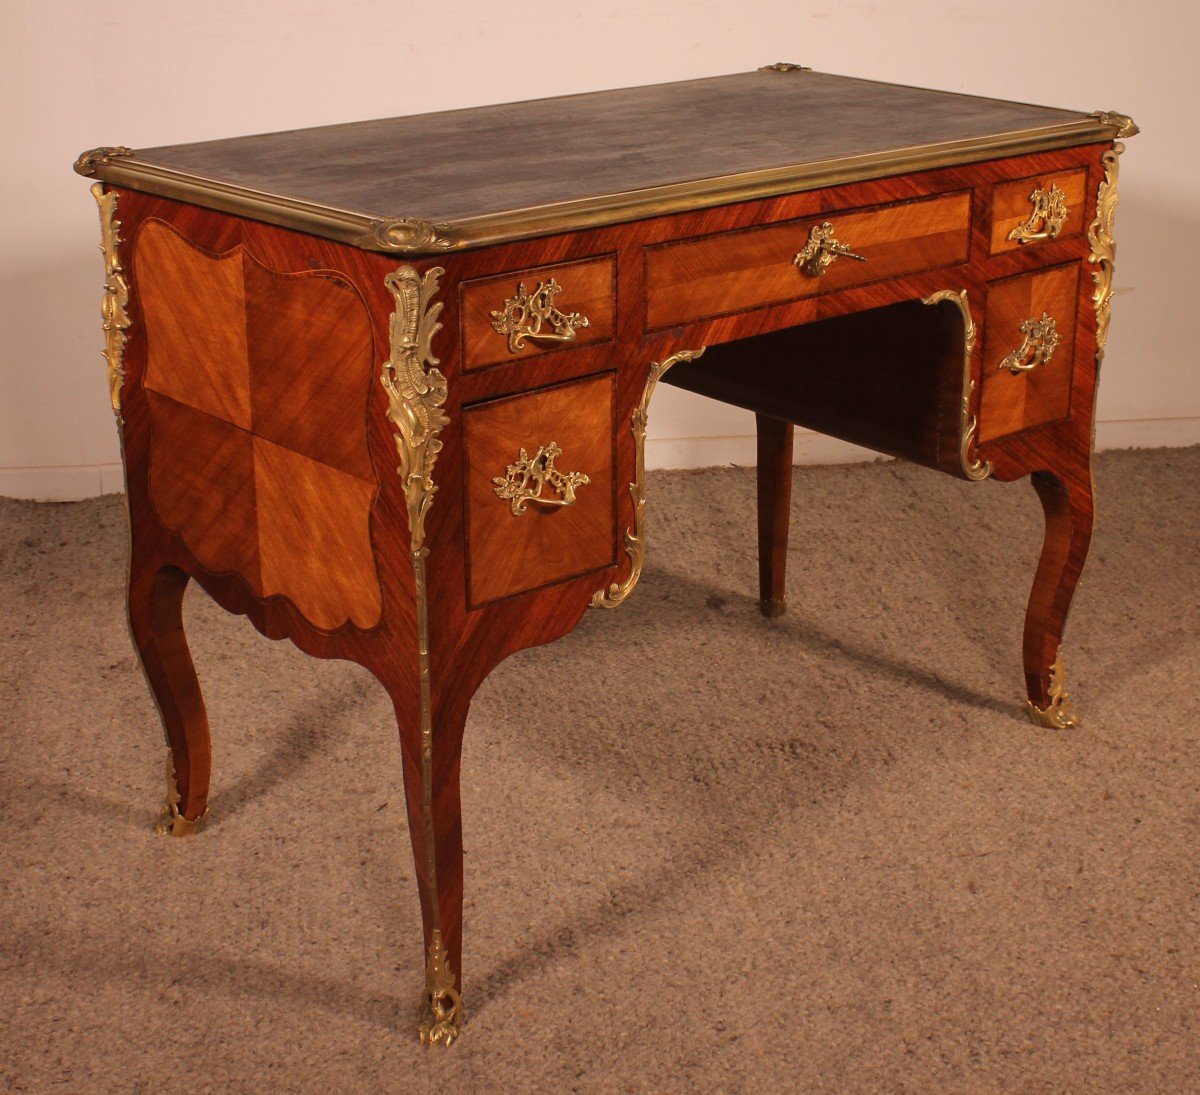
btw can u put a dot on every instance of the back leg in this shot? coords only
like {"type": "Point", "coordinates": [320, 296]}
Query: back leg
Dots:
{"type": "Point", "coordinates": [774, 511]}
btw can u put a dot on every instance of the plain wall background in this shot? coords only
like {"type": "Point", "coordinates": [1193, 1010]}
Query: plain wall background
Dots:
{"type": "Point", "coordinates": [148, 72]}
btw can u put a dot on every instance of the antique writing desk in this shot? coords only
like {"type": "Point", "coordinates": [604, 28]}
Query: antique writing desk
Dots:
{"type": "Point", "coordinates": [383, 387]}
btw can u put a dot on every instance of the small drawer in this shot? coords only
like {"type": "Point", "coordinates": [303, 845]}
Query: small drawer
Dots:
{"type": "Point", "coordinates": [1028, 351]}
{"type": "Point", "coordinates": [1029, 211]}
{"type": "Point", "coordinates": [735, 271]}
{"type": "Point", "coordinates": [539, 487]}
{"type": "Point", "coordinates": [531, 312]}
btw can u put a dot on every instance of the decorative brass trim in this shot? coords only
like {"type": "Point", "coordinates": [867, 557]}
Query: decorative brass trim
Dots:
{"type": "Point", "coordinates": [816, 256]}
{"type": "Point", "coordinates": [1124, 125]}
{"type": "Point", "coordinates": [1046, 219]}
{"type": "Point", "coordinates": [1058, 714]}
{"type": "Point", "coordinates": [170, 821]}
{"type": "Point", "coordinates": [374, 232]}
{"type": "Point", "coordinates": [1037, 347]}
{"type": "Point", "coordinates": [405, 234]}
{"type": "Point", "coordinates": [524, 481]}
{"type": "Point", "coordinates": [441, 1006]}
{"type": "Point", "coordinates": [100, 157]}
{"type": "Point", "coordinates": [972, 467]}
{"type": "Point", "coordinates": [524, 315]}
{"type": "Point", "coordinates": [635, 538]}
{"type": "Point", "coordinates": [784, 66]}
{"type": "Point", "coordinates": [114, 305]}
{"type": "Point", "coordinates": [1103, 247]}
{"type": "Point", "coordinates": [417, 393]}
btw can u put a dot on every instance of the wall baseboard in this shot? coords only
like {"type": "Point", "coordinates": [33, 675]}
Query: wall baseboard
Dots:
{"type": "Point", "coordinates": [70, 484]}
{"type": "Point", "coordinates": [65, 484]}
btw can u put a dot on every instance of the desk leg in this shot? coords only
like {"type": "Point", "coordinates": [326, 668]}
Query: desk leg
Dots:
{"type": "Point", "coordinates": [774, 511]}
{"type": "Point", "coordinates": [156, 624]}
{"type": "Point", "coordinates": [1067, 502]}
{"type": "Point", "coordinates": [432, 762]}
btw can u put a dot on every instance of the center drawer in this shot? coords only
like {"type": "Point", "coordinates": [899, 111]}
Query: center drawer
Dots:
{"type": "Point", "coordinates": [734, 271]}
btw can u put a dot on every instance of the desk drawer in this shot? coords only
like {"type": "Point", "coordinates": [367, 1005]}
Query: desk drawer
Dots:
{"type": "Point", "coordinates": [555, 443]}
{"type": "Point", "coordinates": [735, 271]}
{"type": "Point", "coordinates": [1028, 351]}
{"type": "Point", "coordinates": [530, 312]}
{"type": "Point", "coordinates": [1026, 212]}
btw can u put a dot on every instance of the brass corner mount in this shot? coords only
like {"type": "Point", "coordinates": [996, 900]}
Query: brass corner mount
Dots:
{"type": "Point", "coordinates": [407, 235]}
{"type": "Point", "coordinates": [1123, 123]}
{"type": "Point", "coordinates": [97, 157]}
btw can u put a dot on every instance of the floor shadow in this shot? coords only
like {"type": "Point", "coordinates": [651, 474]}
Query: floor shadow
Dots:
{"type": "Point", "coordinates": [308, 734]}
{"type": "Point", "coordinates": [808, 636]}
{"type": "Point", "coordinates": [103, 961]}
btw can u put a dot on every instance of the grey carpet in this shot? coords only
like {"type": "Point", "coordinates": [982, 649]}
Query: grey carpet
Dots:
{"type": "Point", "coordinates": [705, 852]}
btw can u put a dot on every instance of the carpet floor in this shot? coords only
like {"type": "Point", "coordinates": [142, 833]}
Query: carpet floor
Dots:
{"type": "Point", "coordinates": [704, 851]}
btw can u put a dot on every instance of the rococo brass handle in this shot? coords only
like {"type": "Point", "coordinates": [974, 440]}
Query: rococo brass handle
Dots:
{"type": "Point", "coordinates": [524, 316]}
{"type": "Point", "coordinates": [1047, 218]}
{"type": "Point", "coordinates": [524, 481]}
{"type": "Point", "coordinates": [820, 251]}
{"type": "Point", "coordinates": [1041, 337]}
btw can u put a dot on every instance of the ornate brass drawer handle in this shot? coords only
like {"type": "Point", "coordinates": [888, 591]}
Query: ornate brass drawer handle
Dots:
{"type": "Point", "coordinates": [524, 316]}
{"type": "Point", "coordinates": [820, 251]}
{"type": "Point", "coordinates": [524, 481]}
{"type": "Point", "coordinates": [1047, 218]}
{"type": "Point", "coordinates": [1041, 337]}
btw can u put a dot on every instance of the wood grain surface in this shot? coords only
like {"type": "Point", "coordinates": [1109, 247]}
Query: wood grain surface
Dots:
{"type": "Point", "coordinates": [258, 383]}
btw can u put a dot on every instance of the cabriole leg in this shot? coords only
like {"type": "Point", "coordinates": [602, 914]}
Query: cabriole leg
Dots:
{"type": "Point", "coordinates": [431, 786]}
{"type": "Point", "coordinates": [774, 511]}
{"type": "Point", "coordinates": [1067, 503]}
{"type": "Point", "coordinates": [156, 624]}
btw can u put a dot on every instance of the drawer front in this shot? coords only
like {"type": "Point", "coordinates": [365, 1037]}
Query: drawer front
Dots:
{"type": "Point", "coordinates": [749, 268]}
{"type": "Point", "coordinates": [1027, 212]}
{"type": "Point", "coordinates": [555, 443]}
{"type": "Point", "coordinates": [1028, 351]}
{"type": "Point", "coordinates": [531, 312]}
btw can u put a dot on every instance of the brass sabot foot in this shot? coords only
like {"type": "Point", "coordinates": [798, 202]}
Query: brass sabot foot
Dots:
{"type": "Point", "coordinates": [172, 823]}
{"type": "Point", "coordinates": [1058, 714]}
{"type": "Point", "coordinates": [441, 1008]}
{"type": "Point", "coordinates": [772, 607]}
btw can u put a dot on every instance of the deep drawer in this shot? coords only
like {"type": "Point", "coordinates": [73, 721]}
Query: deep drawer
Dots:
{"type": "Point", "coordinates": [556, 443]}
{"type": "Point", "coordinates": [1028, 351]}
{"type": "Point", "coordinates": [735, 271]}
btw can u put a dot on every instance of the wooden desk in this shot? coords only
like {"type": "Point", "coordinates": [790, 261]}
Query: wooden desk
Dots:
{"type": "Point", "coordinates": [383, 387]}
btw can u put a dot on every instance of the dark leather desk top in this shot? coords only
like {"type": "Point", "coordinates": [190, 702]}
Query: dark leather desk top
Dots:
{"type": "Point", "coordinates": [504, 172]}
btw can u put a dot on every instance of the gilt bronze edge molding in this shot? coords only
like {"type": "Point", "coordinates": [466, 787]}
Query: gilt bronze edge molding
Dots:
{"type": "Point", "coordinates": [415, 236]}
